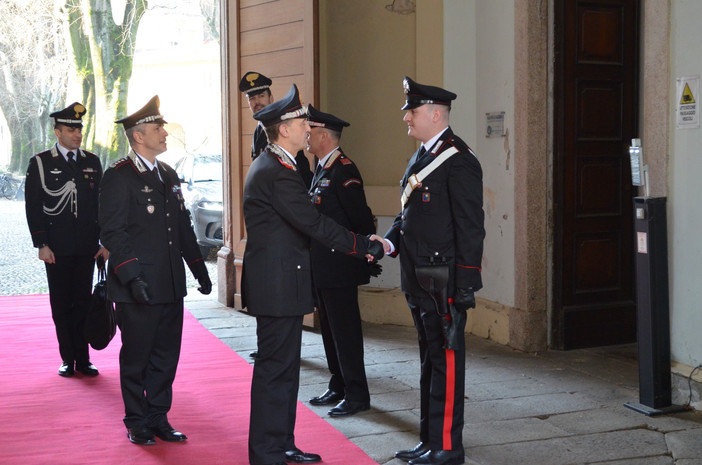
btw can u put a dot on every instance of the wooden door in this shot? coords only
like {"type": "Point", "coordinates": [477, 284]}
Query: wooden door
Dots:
{"type": "Point", "coordinates": [596, 111]}
{"type": "Point", "coordinates": [279, 39]}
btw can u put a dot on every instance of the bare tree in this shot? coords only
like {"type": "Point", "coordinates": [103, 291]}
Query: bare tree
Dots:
{"type": "Point", "coordinates": [103, 52]}
{"type": "Point", "coordinates": [33, 72]}
{"type": "Point", "coordinates": [38, 40]}
{"type": "Point", "coordinates": [210, 14]}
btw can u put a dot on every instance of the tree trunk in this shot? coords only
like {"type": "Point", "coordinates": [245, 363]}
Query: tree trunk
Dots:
{"type": "Point", "coordinates": [103, 53]}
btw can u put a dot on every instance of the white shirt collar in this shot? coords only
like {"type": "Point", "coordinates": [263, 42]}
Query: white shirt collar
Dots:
{"type": "Point", "coordinates": [323, 161]}
{"type": "Point", "coordinates": [428, 145]}
{"type": "Point", "coordinates": [288, 154]}
{"type": "Point", "coordinates": [64, 151]}
{"type": "Point", "coordinates": [147, 163]}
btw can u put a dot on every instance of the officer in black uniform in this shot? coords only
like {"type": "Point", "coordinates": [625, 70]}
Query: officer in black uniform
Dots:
{"type": "Point", "coordinates": [276, 282]}
{"type": "Point", "coordinates": [147, 227]}
{"type": "Point", "coordinates": [257, 89]}
{"type": "Point", "coordinates": [61, 202]}
{"type": "Point", "coordinates": [439, 236]}
{"type": "Point", "coordinates": [337, 192]}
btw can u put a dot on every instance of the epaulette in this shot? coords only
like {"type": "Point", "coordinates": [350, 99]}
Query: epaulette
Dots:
{"type": "Point", "coordinates": [346, 161]}
{"type": "Point", "coordinates": [119, 162]}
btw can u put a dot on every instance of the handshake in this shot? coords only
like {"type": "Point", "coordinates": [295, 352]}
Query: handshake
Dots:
{"type": "Point", "coordinates": [375, 249]}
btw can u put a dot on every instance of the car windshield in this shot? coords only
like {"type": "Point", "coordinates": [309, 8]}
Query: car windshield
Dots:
{"type": "Point", "coordinates": [207, 168]}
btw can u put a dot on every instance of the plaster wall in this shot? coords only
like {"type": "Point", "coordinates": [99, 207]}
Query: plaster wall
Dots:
{"type": "Point", "coordinates": [684, 207]}
{"type": "Point", "coordinates": [464, 46]}
{"type": "Point", "coordinates": [479, 67]}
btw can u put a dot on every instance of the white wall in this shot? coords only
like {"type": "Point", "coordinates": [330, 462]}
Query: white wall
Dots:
{"type": "Point", "coordinates": [479, 67]}
{"type": "Point", "coordinates": [684, 199]}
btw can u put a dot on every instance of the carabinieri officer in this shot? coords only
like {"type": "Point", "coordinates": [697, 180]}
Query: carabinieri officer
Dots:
{"type": "Point", "coordinates": [439, 235]}
{"type": "Point", "coordinates": [147, 226]}
{"type": "Point", "coordinates": [61, 202]}
{"type": "Point", "coordinates": [337, 192]}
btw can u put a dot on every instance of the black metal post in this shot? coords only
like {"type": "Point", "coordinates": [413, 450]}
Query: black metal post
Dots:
{"type": "Point", "coordinates": [652, 310]}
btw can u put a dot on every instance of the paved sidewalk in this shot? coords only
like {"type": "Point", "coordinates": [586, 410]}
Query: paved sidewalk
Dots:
{"type": "Point", "coordinates": [556, 408]}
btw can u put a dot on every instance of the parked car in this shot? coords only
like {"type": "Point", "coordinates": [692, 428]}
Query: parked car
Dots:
{"type": "Point", "coordinates": [201, 182]}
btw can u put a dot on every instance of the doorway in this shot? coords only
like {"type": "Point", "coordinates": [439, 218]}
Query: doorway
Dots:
{"type": "Point", "coordinates": [596, 50]}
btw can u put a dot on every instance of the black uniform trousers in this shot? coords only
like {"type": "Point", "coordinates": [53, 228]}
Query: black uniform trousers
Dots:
{"type": "Point", "coordinates": [342, 335]}
{"type": "Point", "coordinates": [442, 383]}
{"type": "Point", "coordinates": [151, 340]}
{"type": "Point", "coordinates": [274, 386]}
{"type": "Point", "coordinates": [70, 287]}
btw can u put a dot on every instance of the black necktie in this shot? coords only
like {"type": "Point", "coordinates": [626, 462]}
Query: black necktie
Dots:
{"type": "Point", "coordinates": [422, 151]}
{"type": "Point", "coordinates": [154, 173]}
{"type": "Point", "coordinates": [71, 159]}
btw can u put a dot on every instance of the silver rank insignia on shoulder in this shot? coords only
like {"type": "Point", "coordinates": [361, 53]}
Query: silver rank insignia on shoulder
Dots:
{"type": "Point", "coordinates": [146, 190]}
{"type": "Point", "coordinates": [150, 208]}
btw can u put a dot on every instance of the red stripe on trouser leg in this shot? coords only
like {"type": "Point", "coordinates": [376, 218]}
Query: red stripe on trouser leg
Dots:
{"type": "Point", "coordinates": [448, 403]}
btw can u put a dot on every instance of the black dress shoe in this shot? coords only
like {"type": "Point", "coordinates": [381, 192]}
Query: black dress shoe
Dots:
{"type": "Point", "coordinates": [168, 433]}
{"type": "Point", "coordinates": [141, 436]}
{"type": "Point", "coordinates": [297, 456]}
{"type": "Point", "coordinates": [440, 457]}
{"type": "Point", "coordinates": [349, 407]}
{"type": "Point", "coordinates": [88, 370]}
{"type": "Point", "coordinates": [409, 454]}
{"type": "Point", "coordinates": [328, 398]}
{"type": "Point", "coordinates": [66, 370]}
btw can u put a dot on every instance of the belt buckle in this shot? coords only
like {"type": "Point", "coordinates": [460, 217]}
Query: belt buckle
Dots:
{"type": "Point", "coordinates": [413, 181]}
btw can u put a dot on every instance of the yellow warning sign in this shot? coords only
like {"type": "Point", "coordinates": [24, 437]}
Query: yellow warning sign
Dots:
{"type": "Point", "coordinates": [688, 115]}
{"type": "Point", "coordinates": [687, 96]}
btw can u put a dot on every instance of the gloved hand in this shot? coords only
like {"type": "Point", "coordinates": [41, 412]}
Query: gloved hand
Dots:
{"type": "Point", "coordinates": [205, 284]}
{"type": "Point", "coordinates": [454, 327]}
{"type": "Point", "coordinates": [140, 290]}
{"type": "Point", "coordinates": [375, 269]}
{"type": "Point", "coordinates": [375, 248]}
{"type": "Point", "coordinates": [464, 299]}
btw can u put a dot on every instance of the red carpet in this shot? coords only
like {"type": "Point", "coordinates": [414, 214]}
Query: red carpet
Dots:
{"type": "Point", "coordinates": [47, 419]}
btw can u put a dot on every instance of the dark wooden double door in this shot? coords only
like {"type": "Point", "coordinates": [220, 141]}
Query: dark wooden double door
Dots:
{"type": "Point", "coordinates": [596, 113]}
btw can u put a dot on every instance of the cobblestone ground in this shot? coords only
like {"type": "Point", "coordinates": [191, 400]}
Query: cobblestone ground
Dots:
{"type": "Point", "coordinates": [21, 271]}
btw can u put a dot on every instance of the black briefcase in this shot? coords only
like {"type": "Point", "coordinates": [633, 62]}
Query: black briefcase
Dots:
{"type": "Point", "coordinates": [101, 323]}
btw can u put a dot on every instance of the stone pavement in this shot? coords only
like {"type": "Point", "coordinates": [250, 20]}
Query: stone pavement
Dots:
{"type": "Point", "coordinates": [555, 408]}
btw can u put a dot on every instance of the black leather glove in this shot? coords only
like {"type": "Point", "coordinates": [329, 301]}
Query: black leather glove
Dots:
{"type": "Point", "coordinates": [375, 269]}
{"type": "Point", "coordinates": [464, 299]}
{"type": "Point", "coordinates": [375, 248]}
{"type": "Point", "coordinates": [454, 327]}
{"type": "Point", "coordinates": [140, 290]}
{"type": "Point", "coordinates": [205, 284]}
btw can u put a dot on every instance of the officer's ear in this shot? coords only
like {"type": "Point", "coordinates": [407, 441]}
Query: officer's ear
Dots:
{"type": "Point", "coordinates": [138, 136]}
{"type": "Point", "coordinates": [283, 129]}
